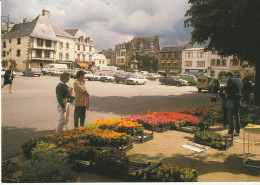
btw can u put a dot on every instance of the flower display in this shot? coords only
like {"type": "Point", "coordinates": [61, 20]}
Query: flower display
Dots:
{"type": "Point", "coordinates": [160, 119]}
{"type": "Point", "coordinates": [118, 125]}
{"type": "Point", "coordinates": [79, 142]}
{"type": "Point", "coordinates": [170, 173]}
{"type": "Point", "coordinates": [201, 111]}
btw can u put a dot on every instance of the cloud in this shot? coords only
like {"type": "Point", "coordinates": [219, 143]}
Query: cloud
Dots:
{"type": "Point", "coordinates": [110, 22]}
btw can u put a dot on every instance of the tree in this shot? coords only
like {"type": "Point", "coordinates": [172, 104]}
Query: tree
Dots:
{"type": "Point", "coordinates": [231, 27]}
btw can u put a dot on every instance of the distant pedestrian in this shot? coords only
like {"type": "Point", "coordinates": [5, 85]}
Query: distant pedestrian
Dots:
{"type": "Point", "coordinates": [80, 99]}
{"type": "Point", "coordinates": [222, 94]}
{"type": "Point", "coordinates": [247, 90]}
{"type": "Point", "coordinates": [63, 92]}
{"type": "Point", "coordinates": [233, 95]}
{"type": "Point", "coordinates": [8, 78]}
{"type": "Point", "coordinates": [215, 89]}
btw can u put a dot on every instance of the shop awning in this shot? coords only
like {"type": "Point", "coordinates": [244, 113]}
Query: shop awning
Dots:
{"type": "Point", "coordinates": [82, 64]}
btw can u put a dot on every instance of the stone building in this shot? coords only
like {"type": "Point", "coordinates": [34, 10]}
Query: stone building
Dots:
{"type": "Point", "coordinates": [127, 53]}
{"type": "Point", "coordinates": [170, 59]}
{"type": "Point", "coordinates": [30, 44]}
{"type": "Point", "coordinates": [108, 54]}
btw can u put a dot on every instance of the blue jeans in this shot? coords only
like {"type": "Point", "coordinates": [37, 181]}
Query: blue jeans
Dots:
{"type": "Point", "coordinates": [233, 117]}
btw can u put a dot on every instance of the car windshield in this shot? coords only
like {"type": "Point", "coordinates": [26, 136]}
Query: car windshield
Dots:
{"type": "Point", "coordinates": [35, 69]}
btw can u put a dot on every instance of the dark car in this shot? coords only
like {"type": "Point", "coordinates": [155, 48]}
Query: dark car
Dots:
{"type": "Point", "coordinates": [32, 72]}
{"type": "Point", "coordinates": [170, 81]}
{"type": "Point", "coordinates": [121, 77]}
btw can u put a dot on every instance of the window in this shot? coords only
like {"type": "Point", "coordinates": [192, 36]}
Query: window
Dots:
{"type": "Point", "coordinates": [4, 54]}
{"type": "Point", "coordinates": [61, 45]}
{"type": "Point", "coordinates": [10, 40]}
{"type": "Point", "coordinates": [170, 55]}
{"type": "Point", "coordinates": [213, 62]}
{"type": "Point", "coordinates": [18, 52]}
{"type": "Point", "coordinates": [224, 62]}
{"type": "Point", "coordinates": [84, 49]}
{"type": "Point", "coordinates": [214, 52]}
{"type": "Point", "coordinates": [4, 44]}
{"type": "Point", "coordinates": [39, 53]}
{"type": "Point", "coordinates": [188, 64]}
{"type": "Point", "coordinates": [60, 55]}
{"type": "Point", "coordinates": [200, 63]}
{"type": "Point", "coordinates": [99, 62]}
{"type": "Point", "coordinates": [48, 43]}
{"type": "Point", "coordinates": [163, 55]}
{"type": "Point", "coordinates": [67, 56]}
{"type": "Point", "coordinates": [188, 54]}
{"type": "Point", "coordinates": [19, 41]}
{"type": "Point", "coordinates": [176, 55]}
{"type": "Point", "coordinates": [235, 62]}
{"type": "Point", "coordinates": [200, 54]}
{"type": "Point", "coordinates": [47, 54]}
{"type": "Point", "coordinates": [67, 45]}
{"type": "Point", "coordinates": [78, 47]}
{"type": "Point", "coordinates": [162, 63]}
{"type": "Point", "coordinates": [39, 42]}
{"type": "Point", "coordinates": [218, 62]}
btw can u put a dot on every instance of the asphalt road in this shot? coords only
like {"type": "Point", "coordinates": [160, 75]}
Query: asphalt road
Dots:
{"type": "Point", "coordinates": [31, 110]}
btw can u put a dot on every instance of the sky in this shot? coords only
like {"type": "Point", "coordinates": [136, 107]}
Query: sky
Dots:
{"type": "Point", "coordinates": [110, 22]}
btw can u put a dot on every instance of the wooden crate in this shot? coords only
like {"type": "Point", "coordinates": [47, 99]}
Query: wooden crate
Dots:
{"type": "Point", "coordinates": [144, 137]}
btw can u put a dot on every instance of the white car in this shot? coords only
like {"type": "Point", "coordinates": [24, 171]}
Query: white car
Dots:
{"type": "Point", "coordinates": [107, 77]}
{"type": "Point", "coordinates": [97, 76]}
{"type": "Point", "coordinates": [89, 75]}
{"type": "Point", "coordinates": [58, 72]}
{"type": "Point", "coordinates": [136, 80]}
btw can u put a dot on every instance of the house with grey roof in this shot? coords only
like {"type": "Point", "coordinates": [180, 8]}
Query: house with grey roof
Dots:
{"type": "Point", "coordinates": [84, 48]}
{"type": "Point", "coordinates": [30, 44]}
{"type": "Point", "coordinates": [170, 59]}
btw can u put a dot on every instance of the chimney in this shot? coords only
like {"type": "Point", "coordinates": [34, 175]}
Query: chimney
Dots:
{"type": "Point", "coordinates": [25, 20]}
{"type": "Point", "coordinates": [9, 26]}
{"type": "Point", "coordinates": [46, 13]}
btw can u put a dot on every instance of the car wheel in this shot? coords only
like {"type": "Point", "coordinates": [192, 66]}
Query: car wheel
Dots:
{"type": "Point", "coordinates": [89, 79]}
{"type": "Point", "coordinates": [136, 83]}
{"type": "Point", "coordinates": [199, 89]}
{"type": "Point", "coordinates": [39, 75]}
{"type": "Point", "coordinates": [144, 83]}
{"type": "Point", "coordinates": [117, 82]}
{"type": "Point", "coordinates": [23, 74]}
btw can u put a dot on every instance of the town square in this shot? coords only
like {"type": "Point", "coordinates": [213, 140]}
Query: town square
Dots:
{"type": "Point", "coordinates": [101, 100]}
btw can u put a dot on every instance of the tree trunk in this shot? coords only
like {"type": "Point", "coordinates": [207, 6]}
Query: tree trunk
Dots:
{"type": "Point", "coordinates": [257, 84]}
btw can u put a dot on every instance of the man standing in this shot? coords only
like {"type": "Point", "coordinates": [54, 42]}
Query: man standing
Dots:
{"type": "Point", "coordinates": [62, 93]}
{"type": "Point", "coordinates": [234, 95]}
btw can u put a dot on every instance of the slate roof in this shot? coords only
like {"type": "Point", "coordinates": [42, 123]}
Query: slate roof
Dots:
{"type": "Point", "coordinates": [172, 49]}
{"type": "Point", "coordinates": [99, 56]}
{"type": "Point", "coordinates": [60, 32]}
{"type": "Point", "coordinates": [40, 27]}
{"type": "Point", "coordinates": [76, 33]}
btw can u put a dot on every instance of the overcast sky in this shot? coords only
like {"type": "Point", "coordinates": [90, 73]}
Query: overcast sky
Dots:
{"type": "Point", "coordinates": [110, 22]}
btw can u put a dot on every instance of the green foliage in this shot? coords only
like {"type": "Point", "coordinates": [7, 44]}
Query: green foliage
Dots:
{"type": "Point", "coordinates": [91, 126]}
{"type": "Point", "coordinates": [169, 173]}
{"type": "Point", "coordinates": [147, 63]}
{"type": "Point", "coordinates": [48, 164]}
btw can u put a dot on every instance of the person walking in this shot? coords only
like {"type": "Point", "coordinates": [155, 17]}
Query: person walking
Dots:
{"type": "Point", "coordinates": [222, 94]}
{"type": "Point", "coordinates": [63, 92]}
{"type": "Point", "coordinates": [233, 95]}
{"type": "Point", "coordinates": [80, 99]}
{"type": "Point", "coordinates": [247, 90]}
{"type": "Point", "coordinates": [8, 78]}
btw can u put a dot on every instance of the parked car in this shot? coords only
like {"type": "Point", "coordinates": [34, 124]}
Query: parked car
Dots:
{"type": "Point", "coordinates": [4, 69]}
{"type": "Point", "coordinates": [107, 77]}
{"type": "Point", "coordinates": [89, 75]}
{"type": "Point", "coordinates": [151, 76]}
{"type": "Point", "coordinates": [32, 72]}
{"type": "Point", "coordinates": [74, 72]}
{"type": "Point", "coordinates": [97, 76]}
{"type": "Point", "coordinates": [136, 80]}
{"type": "Point", "coordinates": [170, 80]}
{"type": "Point", "coordinates": [58, 72]}
{"type": "Point", "coordinates": [183, 82]}
{"type": "Point", "coordinates": [121, 77]}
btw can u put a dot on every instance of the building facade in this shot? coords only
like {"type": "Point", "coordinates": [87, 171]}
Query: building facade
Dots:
{"type": "Point", "coordinates": [30, 44]}
{"type": "Point", "coordinates": [170, 60]}
{"type": "Point", "coordinates": [195, 61]}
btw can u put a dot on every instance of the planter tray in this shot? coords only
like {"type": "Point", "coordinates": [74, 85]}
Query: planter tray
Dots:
{"type": "Point", "coordinates": [144, 137]}
{"type": "Point", "coordinates": [228, 143]}
{"type": "Point", "coordinates": [125, 148]}
{"type": "Point", "coordinates": [160, 129]}
{"type": "Point", "coordinates": [136, 172]}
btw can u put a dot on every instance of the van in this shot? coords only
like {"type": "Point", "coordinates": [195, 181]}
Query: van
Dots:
{"type": "Point", "coordinates": [204, 83]}
{"type": "Point", "coordinates": [50, 68]}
